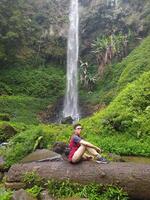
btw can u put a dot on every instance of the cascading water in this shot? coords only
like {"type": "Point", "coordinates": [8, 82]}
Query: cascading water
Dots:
{"type": "Point", "coordinates": [71, 97]}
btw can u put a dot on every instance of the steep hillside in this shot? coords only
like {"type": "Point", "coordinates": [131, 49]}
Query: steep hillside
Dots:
{"type": "Point", "coordinates": [119, 75]}
{"type": "Point", "coordinates": [125, 119]}
{"type": "Point", "coordinates": [135, 64]}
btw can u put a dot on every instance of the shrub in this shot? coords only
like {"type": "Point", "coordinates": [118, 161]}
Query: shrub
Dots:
{"type": "Point", "coordinates": [5, 194]}
{"type": "Point", "coordinates": [22, 108]}
{"type": "Point", "coordinates": [22, 144]}
{"type": "Point", "coordinates": [35, 191]}
{"type": "Point", "coordinates": [128, 115]}
{"type": "Point", "coordinates": [42, 82]}
{"type": "Point", "coordinates": [91, 191]}
{"type": "Point", "coordinates": [4, 117]}
{"type": "Point", "coordinates": [5, 89]}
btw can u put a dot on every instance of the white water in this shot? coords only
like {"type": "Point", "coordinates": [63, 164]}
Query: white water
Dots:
{"type": "Point", "coordinates": [71, 97]}
{"type": "Point", "coordinates": [112, 3]}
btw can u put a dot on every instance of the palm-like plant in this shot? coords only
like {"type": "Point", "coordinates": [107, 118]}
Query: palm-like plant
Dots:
{"type": "Point", "coordinates": [107, 47]}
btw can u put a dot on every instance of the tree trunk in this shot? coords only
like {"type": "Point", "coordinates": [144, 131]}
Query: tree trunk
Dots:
{"type": "Point", "coordinates": [133, 178]}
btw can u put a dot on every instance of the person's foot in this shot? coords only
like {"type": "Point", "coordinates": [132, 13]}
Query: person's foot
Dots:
{"type": "Point", "coordinates": [102, 160]}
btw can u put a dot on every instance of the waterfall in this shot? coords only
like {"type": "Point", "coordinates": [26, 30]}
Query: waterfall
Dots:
{"type": "Point", "coordinates": [71, 97]}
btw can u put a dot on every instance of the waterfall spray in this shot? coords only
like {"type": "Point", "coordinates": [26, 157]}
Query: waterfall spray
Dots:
{"type": "Point", "coordinates": [71, 97]}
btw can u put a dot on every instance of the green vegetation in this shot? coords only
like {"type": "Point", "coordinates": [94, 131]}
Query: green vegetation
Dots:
{"type": "Point", "coordinates": [125, 118]}
{"type": "Point", "coordinates": [91, 191]}
{"type": "Point", "coordinates": [32, 79]}
{"type": "Point", "coordinates": [5, 194]}
{"type": "Point", "coordinates": [35, 191]}
{"type": "Point", "coordinates": [62, 189]}
{"type": "Point", "coordinates": [25, 140]}
{"type": "Point", "coordinates": [41, 82]}
{"type": "Point", "coordinates": [25, 38]}
{"type": "Point", "coordinates": [117, 76]}
{"type": "Point", "coordinates": [22, 108]}
{"type": "Point", "coordinates": [32, 179]}
{"type": "Point", "coordinates": [27, 91]}
{"type": "Point", "coordinates": [21, 145]}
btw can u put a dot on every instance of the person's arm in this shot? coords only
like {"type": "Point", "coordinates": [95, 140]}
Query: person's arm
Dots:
{"type": "Point", "coordinates": [88, 144]}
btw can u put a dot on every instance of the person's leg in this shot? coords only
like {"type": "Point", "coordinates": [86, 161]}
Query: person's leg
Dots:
{"type": "Point", "coordinates": [92, 151]}
{"type": "Point", "coordinates": [97, 156]}
{"type": "Point", "coordinates": [78, 154]}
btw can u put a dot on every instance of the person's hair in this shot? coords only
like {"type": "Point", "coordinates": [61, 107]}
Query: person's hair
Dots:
{"type": "Point", "coordinates": [75, 126]}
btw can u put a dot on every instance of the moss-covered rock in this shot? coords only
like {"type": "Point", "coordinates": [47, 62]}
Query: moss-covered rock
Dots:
{"type": "Point", "coordinates": [6, 132]}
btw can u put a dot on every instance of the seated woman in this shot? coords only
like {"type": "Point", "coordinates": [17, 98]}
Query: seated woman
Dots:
{"type": "Point", "coordinates": [78, 147]}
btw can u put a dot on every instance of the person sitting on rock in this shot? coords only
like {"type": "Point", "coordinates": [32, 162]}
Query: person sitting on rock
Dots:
{"type": "Point", "coordinates": [79, 146]}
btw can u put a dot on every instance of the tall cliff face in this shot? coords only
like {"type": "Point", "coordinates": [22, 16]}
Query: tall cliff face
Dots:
{"type": "Point", "coordinates": [45, 24]}
{"type": "Point", "coordinates": [97, 17]}
{"type": "Point", "coordinates": [101, 17]}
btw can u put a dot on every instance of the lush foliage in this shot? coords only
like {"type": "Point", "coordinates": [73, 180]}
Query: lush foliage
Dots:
{"type": "Point", "coordinates": [92, 191]}
{"type": "Point", "coordinates": [62, 189]}
{"type": "Point", "coordinates": [136, 63]}
{"type": "Point", "coordinates": [22, 108]}
{"type": "Point", "coordinates": [21, 145]}
{"type": "Point", "coordinates": [25, 37]}
{"type": "Point", "coordinates": [127, 115]}
{"type": "Point", "coordinates": [34, 191]}
{"type": "Point", "coordinates": [32, 180]}
{"type": "Point", "coordinates": [5, 194]}
{"type": "Point", "coordinates": [117, 76]}
{"type": "Point", "coordinates": [41, 82]}
{"type": "Point", "coordinates": [27, 91]}
{"type": "Point", "coordinates": [25, 141]}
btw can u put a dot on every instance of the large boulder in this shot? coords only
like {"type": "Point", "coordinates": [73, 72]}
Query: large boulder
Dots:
{"type": "Point", "coordinates": [67, 120]}
{"type": "Point", "coordinates": [132, 177]}
{"type": "Point", "coordinates": [61, 148]}
{"type": "Point", "coordinates": [39, 155]}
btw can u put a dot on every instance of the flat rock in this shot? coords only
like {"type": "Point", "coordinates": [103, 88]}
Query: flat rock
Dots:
{"type": "Point", "coordinates": [14, 185]}
{"type": "Point", "coordinates": [40, 154]}
{"type": "Point", "coordinates": [22, 195]}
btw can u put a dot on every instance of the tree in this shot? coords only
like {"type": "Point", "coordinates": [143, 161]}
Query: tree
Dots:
{"type": "Point", "coordinates": [108, 47]}
{"type": "Point", "coordinates": [87, 80]}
